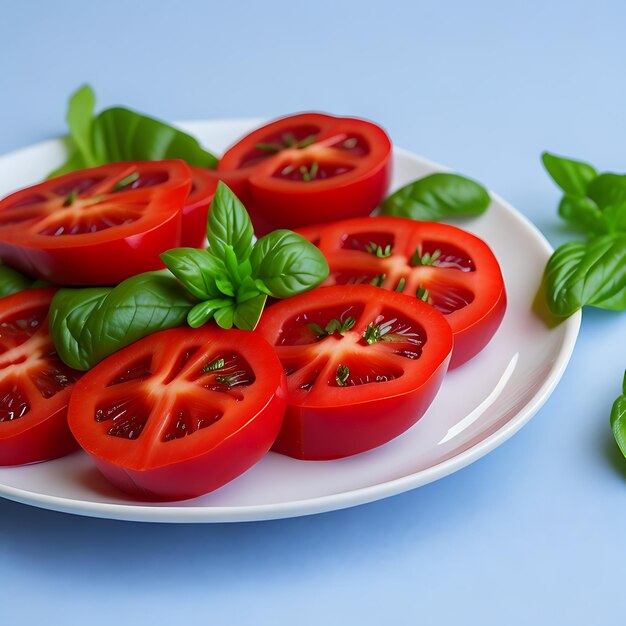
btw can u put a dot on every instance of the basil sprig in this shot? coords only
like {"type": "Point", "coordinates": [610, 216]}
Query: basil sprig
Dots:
{"type": "Point", "coordinates": [234, 277]}
{"type": "Point", "coordinates": [119, 134]}
{"type": "Point", "coordinates": [437, 197]}
{"type": "Point", "coordinates": [618, 419]}
{"type": "Point", "coordinates": [592, 272]}
{"type": "Point", "coordinates": [87, 325]}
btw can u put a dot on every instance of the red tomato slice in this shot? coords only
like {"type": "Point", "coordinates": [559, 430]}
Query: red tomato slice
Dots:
{"type": "Point", "coordinates": [311, 168]}
{"type": "Point", "coordinates": [181, 412]}
{"type": "Point", "coordinates": [347, 395]}
{"type": "Point", "coordinates": [96, 226]}
{"type": "Point", "coordinates": [452, 269]}
{"type": "Point", "coordinates": [203, 186]}
{"type": "Point", "coordinates": [35, 385]}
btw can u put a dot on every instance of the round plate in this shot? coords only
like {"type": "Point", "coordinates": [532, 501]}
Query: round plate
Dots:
{"type": "Point", "coordinates": [479, 406]}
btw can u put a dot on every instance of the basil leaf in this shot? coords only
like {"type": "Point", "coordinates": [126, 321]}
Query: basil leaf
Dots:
{"type": "Point", "coordinates": [436, 197]}
{"type": "Point", "coordinates": [614, 218]}
{"type": "Point", "coordinates": [583, 213]}
{"type": "Point", "coordinates": [571, 176]}
{"type": "Point", "coordinates": [285, 264]}
{"type": "Point", "coordinates": [88, 325]}
{"type": "Point", "coordinates": [11, 281]}
{"type": "Point", "coordinates": [202, 312]}
{"type": "Point", "coordinates": [618, 419]}
{"type": "Point", "coordinates": [225, 317]}
{"type": "Point", "coordinates": [79, 119]}
{"type": "Point", "coordinates": [120, 134]}
{"type": "Point", "coordinates": [196, 269]}
{"type": "Point", "coordinates": [248, 313]}
{"type": "Point", "coordinates": [229, 225]}
{"type": "Point", "coordinates": [608, 189]}
{"type": "Point", "coordinates": [593, 273]}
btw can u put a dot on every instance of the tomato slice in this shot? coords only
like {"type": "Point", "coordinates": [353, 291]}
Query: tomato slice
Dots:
{"type": "Point", "coordinates": [453, 270]}
{"type": "Point", "coordinates": [95, 226]}
{"type": "Point", "coordinates": [363, 365]}
{"type": "Point", "coordinates": [35, 385]}
{"type": "Point", "coordinates": [203, 185]}
{"type": "Point", "coordinates": [309, 168]}
{"type": "Point", "coordinates": [181, 412]}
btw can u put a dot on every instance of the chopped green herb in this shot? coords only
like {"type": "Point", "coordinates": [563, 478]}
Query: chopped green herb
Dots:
{"type": "Point", "coordinates": [342, 375]}
{"type": "Point", "coordinates": [378, 251]}
{"type": "Point", "coordinates": [127, 180]}
{"type": "Point", "coordinates": [216, 364]}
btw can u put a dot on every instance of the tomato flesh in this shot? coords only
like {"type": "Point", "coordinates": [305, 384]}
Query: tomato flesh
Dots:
{"type": "Point", "coordinates": [35, 385]}
{"type": "Point", "coordinates": [451, 269]}
{"type": "Point", "coordinates": [311, 168]}
{"type": "Point", "coordinates": [348, 393]}
{"type": "Point", "coordinates": [95, 226]}
{"type": "Point", "coordinates": [181, 412]}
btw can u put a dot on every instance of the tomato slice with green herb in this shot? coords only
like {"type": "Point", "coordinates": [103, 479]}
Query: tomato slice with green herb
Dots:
{"type": "Point", "coordinates": [451, 269]}
{"type": "Point", "coordinates": [95, 226]}
{"type": "Point", "coordinates": [309, 168]}
{"type": "Point", "coordinates": [35, 385]}
{"type": "Point", "coordinates": [363, 365]}
{"type": "Point", "coordinates": [181, 412]}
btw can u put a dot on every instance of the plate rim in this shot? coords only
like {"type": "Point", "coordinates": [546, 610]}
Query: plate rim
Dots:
{"type": "Point", "coordinates": [336, 501]}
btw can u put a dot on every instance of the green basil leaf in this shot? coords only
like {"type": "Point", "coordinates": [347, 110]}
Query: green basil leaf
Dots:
{"type": "Point", "coordinates": [618, 419]}
{"type": "Point", "coordinates": [285, 264]}
{"type": "Point", "coordinates": [225, 287]}
{"type": "Point", "coordinates": [229, 225]}
{"type": "Point", "coordinates": [202, 312]}
{"type": "Point", "coordinates": [88, 325]}
{"type": "Point", "coordinates": [571, 176]}
{"type": "Point", "coordinates": [120, 134]}
{"type": "Point", "coordinates": [614, 218]}
{"type": "Point", "coordinates": [583, 213]}
{"type": "Point", "coordinates": [437, 197]}
{"type": "Point", "coordinates": [608, 189]}
{"type": "Point", "coordinates": [248, 313]}
{"type": "Point", "coordinates": [593, 273]}
{"type": "Point", "coordinates": [80, 119]}
{"type": "Point", "coordinates": [11, 281]}
{"type": "Point", "coordinates": [196, 269]}
{"type": "Point", "coordinates": [225, 317]}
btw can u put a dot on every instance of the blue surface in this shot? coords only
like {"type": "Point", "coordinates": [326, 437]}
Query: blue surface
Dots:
{"type": "Point", "coordinates": [534, 533]}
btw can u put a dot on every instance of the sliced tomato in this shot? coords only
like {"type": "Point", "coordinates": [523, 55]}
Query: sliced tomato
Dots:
{"type": "Point", "coordinates": [181, 412]}
{"type": "Point", "coordinates": [203, 185]}
{"type": "Point", "coordinates": [96, 226]}
{"type": "Point", "coordinates": [451, 269]}
{"type": "Point", "coordinates": [363, 365]}
{"type": "Point", "coordinates": [35, 385]}
{"type": "Point", "coordinates": [309, 168]}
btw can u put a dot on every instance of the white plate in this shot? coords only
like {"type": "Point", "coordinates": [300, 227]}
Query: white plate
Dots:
{"type": "Point", "coordinates": [480, 405]}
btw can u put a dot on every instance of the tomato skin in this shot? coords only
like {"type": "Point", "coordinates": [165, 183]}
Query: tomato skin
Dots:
{"type": "Point", "coordinates": [132, 225]}
{"type": "Point", "coordinates": [202, 460]}
{"type": "Point", "coordinates": [195, 211]}
{"type": "Point", "coordinates": [279, 202]}
{"type": "Point", "coordinates": [473, 325]}
{"type": "Point", "coordinates": [344, 421]}
{"type": "Point", "coordinates": [41, 433]}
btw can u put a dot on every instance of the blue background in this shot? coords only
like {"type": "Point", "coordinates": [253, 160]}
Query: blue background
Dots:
{"type": "Point", "coordinates": [534, 533]}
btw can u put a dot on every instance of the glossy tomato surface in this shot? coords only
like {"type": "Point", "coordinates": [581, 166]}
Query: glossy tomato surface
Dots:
{"type": "Point", "coordinates": [35, 385]}
{"type": "Point", "coordinates": [363, 365]}
{"type": "Point", "coordinates": [451, 269]}
{"type": "Point", "coordinates": [309, 168]}
{"type": "Point", "coordinates": [95, 226]}
{"type": "Point", "coordinates": [181, 412]}
{"type": "Point", "coordinates": [203, 185]}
